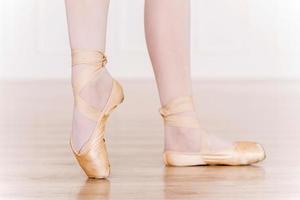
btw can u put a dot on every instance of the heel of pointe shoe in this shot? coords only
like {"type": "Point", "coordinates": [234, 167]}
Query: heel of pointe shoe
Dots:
{"type": "Point", "coordinates": [119, 91]}
{"type": "Point", "coordinates": [117, 96]}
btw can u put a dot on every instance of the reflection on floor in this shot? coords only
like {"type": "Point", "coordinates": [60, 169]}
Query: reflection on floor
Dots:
{"type": "Point", "coordinates": [36, 162]}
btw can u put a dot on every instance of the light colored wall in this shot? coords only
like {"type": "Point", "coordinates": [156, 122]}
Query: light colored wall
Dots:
{"type": "Point", "coordinates": [239, 39]}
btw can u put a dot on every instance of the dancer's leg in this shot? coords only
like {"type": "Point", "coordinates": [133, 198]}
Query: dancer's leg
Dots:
{"type": "Point", "coordinates": [87, 21]}
{"type": "Point", "coordinates": [168, 35]}
{"type": "Point", "coordinates": [167, 25]}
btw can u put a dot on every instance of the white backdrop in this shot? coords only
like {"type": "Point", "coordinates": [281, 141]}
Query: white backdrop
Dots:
{"type": "Point", "coordinates": [231, 39]}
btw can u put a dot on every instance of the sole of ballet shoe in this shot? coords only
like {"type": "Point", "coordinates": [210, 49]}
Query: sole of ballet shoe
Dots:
{"type": "Point", "coordinates": [243, 153]}
{"type": "Point", "coordinates": [180, 159]}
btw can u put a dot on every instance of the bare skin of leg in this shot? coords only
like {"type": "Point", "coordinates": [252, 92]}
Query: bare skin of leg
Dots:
{"type": "Point", "coordinates": [87, 21]}
{"type": "Point", "coordinates": [167, 27]}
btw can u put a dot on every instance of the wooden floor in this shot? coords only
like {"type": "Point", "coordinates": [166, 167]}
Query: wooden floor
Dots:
{"type": "Point", "coordinates": [36, 161]}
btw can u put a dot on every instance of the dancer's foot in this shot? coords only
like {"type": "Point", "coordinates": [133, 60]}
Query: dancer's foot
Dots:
{"type": "Point", "coordinates": [186, 144]}
{"type": "Point", "coordinates": [95, 93]}
{"type": "Point", "coordinates": [184, 139]}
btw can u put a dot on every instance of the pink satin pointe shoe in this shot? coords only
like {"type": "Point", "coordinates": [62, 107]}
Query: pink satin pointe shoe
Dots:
{"type": "Point", "coordinates": [93, 157]}
{"type": "Point", "coordinates": [240, 153]}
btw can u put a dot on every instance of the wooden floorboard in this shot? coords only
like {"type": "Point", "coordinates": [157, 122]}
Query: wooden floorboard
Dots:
{"type": "Point", "coordinates": [36, 161]}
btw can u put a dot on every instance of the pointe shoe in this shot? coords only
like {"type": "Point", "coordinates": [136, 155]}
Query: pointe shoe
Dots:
{"type": "Point", "coordinates": [240, 153]}
{"type": "Point", "coordinates": [93, 157]}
